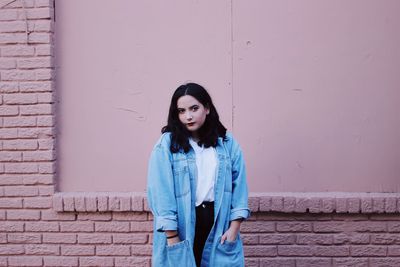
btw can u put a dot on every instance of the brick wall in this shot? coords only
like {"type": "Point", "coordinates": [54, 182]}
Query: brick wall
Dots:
{"type": "Point", "coordinates": [39, 227]}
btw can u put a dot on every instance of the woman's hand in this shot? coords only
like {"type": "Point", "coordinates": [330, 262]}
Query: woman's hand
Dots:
{"type": "Point", "coordinates": [232, 232]}
{"type": "Point", "coordinates": [174, 240]}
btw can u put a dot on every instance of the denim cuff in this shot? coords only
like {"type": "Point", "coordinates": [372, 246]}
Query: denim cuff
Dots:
{"type": "Point", "coordinates": [164, 223]}
{"type": "Point", "coordinates": [239, 213]}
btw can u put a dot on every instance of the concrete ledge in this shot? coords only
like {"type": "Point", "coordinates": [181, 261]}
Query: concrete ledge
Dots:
{"type": "Point", "coordinates": [319, 202]}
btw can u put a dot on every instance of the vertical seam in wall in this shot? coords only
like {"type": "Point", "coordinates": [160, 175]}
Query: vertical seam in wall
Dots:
{"type": "Point", "coordinates": [232, 91]}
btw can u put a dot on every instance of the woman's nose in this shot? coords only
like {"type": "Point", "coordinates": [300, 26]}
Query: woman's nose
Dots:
{"type": "Point", "coordinates": [189, 116]}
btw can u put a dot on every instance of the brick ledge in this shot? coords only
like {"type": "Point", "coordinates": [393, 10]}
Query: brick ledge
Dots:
{"type": "Point", "coordinates": [286, 202]}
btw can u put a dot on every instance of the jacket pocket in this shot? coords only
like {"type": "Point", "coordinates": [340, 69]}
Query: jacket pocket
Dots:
{"type": "Point", "coordinates": [180, 254]}
{"type": "Point", "coordinates": [230, 253]}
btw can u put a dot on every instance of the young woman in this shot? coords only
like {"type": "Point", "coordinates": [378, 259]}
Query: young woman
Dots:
{"type": "Point", "coordinates": [197, 188]}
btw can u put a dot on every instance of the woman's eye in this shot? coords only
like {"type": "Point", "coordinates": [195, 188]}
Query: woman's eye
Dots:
{"type": "Point", "coordinates": [195, 108]}
{"type": "Point", "coordinates": [181, 111]}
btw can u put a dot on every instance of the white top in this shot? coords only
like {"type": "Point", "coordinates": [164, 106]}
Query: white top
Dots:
{"type": "Point", "coordinates": [206, 162]}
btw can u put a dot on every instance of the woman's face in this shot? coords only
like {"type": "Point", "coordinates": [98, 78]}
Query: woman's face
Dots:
{"type": "Point", "coordinates": [191, 113]}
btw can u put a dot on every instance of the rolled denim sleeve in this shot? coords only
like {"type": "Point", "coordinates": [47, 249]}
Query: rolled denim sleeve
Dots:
{"type": "Point", "coordinates": [239, 207]}
{"type": "Point", "coordinates": [160, 189]}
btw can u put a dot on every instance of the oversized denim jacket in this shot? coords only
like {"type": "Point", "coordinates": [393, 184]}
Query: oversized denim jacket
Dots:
{"type": "Point", "coordinates": [171, 196]}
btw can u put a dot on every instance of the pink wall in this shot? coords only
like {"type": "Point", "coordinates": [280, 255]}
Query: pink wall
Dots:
{"type": "Point", "coordinates": [42, 227]}
{"type": "Point", "coordinates": [309, 88]}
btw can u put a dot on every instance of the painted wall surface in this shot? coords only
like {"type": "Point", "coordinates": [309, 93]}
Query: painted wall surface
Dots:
{"type": "Point", "coordinates": [309, 88]}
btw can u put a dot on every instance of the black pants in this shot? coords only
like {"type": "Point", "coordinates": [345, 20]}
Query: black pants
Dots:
{"type": "Point", "coordinates": [204, 223]}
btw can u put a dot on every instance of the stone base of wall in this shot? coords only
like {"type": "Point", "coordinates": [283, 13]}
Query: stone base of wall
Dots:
{"type": "Point", "coordinates": [115, 229]}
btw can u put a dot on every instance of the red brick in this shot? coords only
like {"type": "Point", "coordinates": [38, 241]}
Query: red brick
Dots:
{"type": "Point", "coordinates": [17, 51]}
{"type": "Point", "coordinates": [113, 250]}
{"type": "Point", "coordinates": [39, 13]}
{"type": "Point", "coordinates": [8, 14]}
{"type": "Point", "coordinates": [59, 238]}
{"type": "Point", "coordinates": [21, 215]}
{"type": "Point", "coordinates": [10, 203]}
{"type": "Point", "coordinates": [46, 144]}
{"type": "Point", "coordinates": [137, 203]}
{"type": "Point", "coordinates": [254, 203]}
{"type": "Point", "coordinates": [250, 239]}
{"type": "Point", "coordinates": [8, 133]}
{"type": "Point", "coordinates": [112, 226]}
{"type": "Point", "coordinates": [260, 251]}
{"type": "Point", "coordinates": [130, 238]}
{"type": "Point", "coordinates": [8, 110]}
{"type": "Point", "coordinates": [38, 202]}
{"type": "Point", "coordinates": [368, 226]}
{"type": "Point", "coordinates": [394, 227]}
{"type": "Point", "coordinates": [18, 75]}
{"type": "Point", "coordinates": [77, 250]}
{"type": "Point", "coordinates": [278, 262]}
{"type": "Point", "coordinates": [77, 226]}
{"type": "Point", "coordinates": [44, 26]}
{"type": "Point", "coordinates": [38, 155]}
{"type": "Point", "coordinates": [102, 203]}
{"type": "Point", "coordinates": [381, 239]}
{"type": "Point", "coordinates": [331, 251]}
{"type": "Point", "coordinates": [11, 180]}
{"type": "Point", "coordinates": [91, 202]}
{"type": "Point", "coordinates": [96, 261]}
{"type": "Point", "coordinates": [11, 226]}
{"type": "Point", "coordinates": [294, 250]}
{"type": "Point", "coordinates": [34, 63]}
{"type": "Point", "coordinates": [141, 250]}
{"type": "Point", "coordinates": [6, 64]}
{"type": "Point", "coordinates": [10, 156]}
{"type": "Point", "coordinates": [3, 261]}
{"type": "Point", "coordinates": [42, 249]}
{"type": "Point", "coordinates": [132, 261]}
{"type": "Point", "coordinates": [11, 249]}
{"type": "Point", "coordinates": [47, 168]}
{"type": "Point", "coordinates": [20, 144]}
{"type": "Point", "coordinates": [293, 227]}
{"type": "Point", "coordinates": [394, 251]}
{"type": "Point", "coordinates": [38, 109]}
{"type": "Point", "coordinates": [39, 38]}
{"type": "Point", "coordinates": [353, 262]}
{"type": "Point", "coordinates": [42, 86]}
{"type": "Point", "coordinates": [44, 121]}
{"type": "Point", "coordinates": [327, 227]}
{"type": "Point", "coordinates": [129, 216]}
{"type": "Point", "coordinates": [289, 204]}
{"type": "Point", "coordinates": [45, 75]}
{"type": "Point", "coordinates": [60, 261]}
{"type": "Point", "coordinates": [265, 203]}
{"type": "Point", "coordinates": [58, 202]}
{"type": "Point", "coordinates": [8, 87]}
{"type": "Point", "coordinates": [30, 261]}
{"type": "Point", "coordinates": [12, 38]}
{"type": "Point", "coordinates": [13, 99]}
{"type": "Point", "coordinates": [19, 122]}
{"type": "Point", "coordinates": [42, 227]}
{"type": "Point", "coordinates": [21, 168]}
{"type": "Point", "coordinates": [46, 190]}
{"type": "Point", "coordinates": [94, 238]}
{"type": "Point", "coordinates": [271, 239]}
{"type": "Point", "coordinates": [368, 251]}
{"type": "Point", "coordinates": [142, 227]}
{"type": "Point", "coordinates": [351, 238]}
{"type": "Point", "coordinates": [3, 238]}
{"type": "Point", "coordinates": [384, 262]}
{"type": "Point", "coordinates": [79, 203]}
{"type": "Point", "coordinates": [97, 216]}
{"type": "Point", "coordinates": [314, 239]}
{"type": "Point", "coordinates": [24, 238]}
{"type": "Point", "coordinates": [276, 203]}
{"type": "Point", "coordinates": [390, 204]}
{"type": "Point", "coordinates": [316, 262]}
{"type": "Point", "coordinates": [44, 50]}
{"type": "Point", "coordinates": [21, 191]}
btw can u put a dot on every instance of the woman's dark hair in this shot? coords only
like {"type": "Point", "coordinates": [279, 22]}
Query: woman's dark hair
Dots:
{"type": "Point", "coordinates": [210, 130]}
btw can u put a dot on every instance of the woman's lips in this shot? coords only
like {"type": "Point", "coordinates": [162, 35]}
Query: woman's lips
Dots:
{"type": "Point", "coordinates": [190, 124]}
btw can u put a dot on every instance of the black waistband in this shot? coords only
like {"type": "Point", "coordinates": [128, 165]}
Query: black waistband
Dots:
{"type": "Point", "coordinates": [206, 204]}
